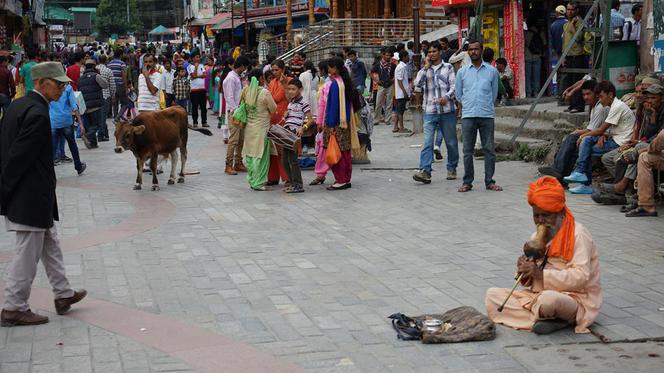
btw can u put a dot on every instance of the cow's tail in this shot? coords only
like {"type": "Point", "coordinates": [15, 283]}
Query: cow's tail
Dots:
{"type": "Point", "coordinates": [204, 131]}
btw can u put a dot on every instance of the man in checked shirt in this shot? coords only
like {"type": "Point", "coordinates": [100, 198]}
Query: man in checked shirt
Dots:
{"type": "Point", "coordinates": [434, 84]}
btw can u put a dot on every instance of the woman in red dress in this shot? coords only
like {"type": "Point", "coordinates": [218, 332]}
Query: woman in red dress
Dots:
{"type": "Point", "coordinates": [277, 88]}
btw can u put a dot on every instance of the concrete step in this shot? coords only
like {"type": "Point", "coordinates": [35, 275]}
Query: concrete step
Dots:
{"type": "Point", "coordinates": [537, 128]}
{"type": "Point", "coordinates": [546, 111]}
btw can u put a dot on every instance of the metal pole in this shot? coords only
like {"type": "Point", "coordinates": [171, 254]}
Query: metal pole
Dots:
{"type": "Point", "coordinates": [246, 28]}
{"type": "Point", "coordinates": [416, 34]}
{"type": "Point", "coordinates": [606, 33]}
{"type": "Point", "coordinates": [232, 25]}
{"type": "Point", "coordinates": [128, 20]}
{"type": "Point", "coordinates": [553, 72]}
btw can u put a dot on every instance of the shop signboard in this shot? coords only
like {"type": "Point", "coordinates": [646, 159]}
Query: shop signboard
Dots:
{"type": "Point", "coordinates": [491, 30]}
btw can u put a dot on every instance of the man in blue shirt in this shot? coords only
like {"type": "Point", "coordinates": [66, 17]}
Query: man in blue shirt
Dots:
{"type": "Point", "coordinates": [556, 31]}
{"type": "Point", "coordinates": [477, 89]}
{"type": "Point", "coordinates": [62, 126]}
{"type": "Point", "coordinates": [358, 72]}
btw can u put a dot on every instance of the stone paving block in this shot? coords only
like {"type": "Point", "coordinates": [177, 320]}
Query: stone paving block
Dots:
{"type": "Point", "coordinates": [224, 262]}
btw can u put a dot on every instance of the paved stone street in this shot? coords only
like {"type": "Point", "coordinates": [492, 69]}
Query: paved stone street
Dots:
{"type": "Point", "coordinates": [210, 276]}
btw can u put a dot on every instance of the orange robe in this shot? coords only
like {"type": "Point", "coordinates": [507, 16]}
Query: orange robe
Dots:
{"type": "Point", "coordinates": [279, 95]}
{"type": "Point", "coordinates": [578, 279]}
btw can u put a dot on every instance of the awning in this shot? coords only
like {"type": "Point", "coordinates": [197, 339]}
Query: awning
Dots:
{"type": "Point", "coordinates": [161, 30]}
{"type": "Point", "coordinates": [226, 23]}
{"type": "Point", "coordinates": [219, 17]}
{"type": "Point", "coordinates": [200, 22]}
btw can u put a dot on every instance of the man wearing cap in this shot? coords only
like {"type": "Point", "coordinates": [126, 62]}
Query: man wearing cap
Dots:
{"type": "Point", "coordinates": [621, 162]}
{"type": "Point", "coordinates": [563, 288]}
{"type": "Point", "coordinates": [28, 200]}
{"type": "Point", "coordinates": [556, 31]}
{"type": "Point", "coordinates": [91, 84]}
{"type": "Point", "coordinates": [649, 160]}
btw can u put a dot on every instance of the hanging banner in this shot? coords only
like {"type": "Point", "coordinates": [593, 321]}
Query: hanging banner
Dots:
{"type": "Point", "coordinates": [514, 43]}
{"type": "Point", "coordinates": [491, 30]}
{"type": "Point", "coordinates": [464, 24]}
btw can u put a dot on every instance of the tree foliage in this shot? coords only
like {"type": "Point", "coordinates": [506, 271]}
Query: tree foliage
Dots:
{"type": "Point", "coordinates": [111, 17]}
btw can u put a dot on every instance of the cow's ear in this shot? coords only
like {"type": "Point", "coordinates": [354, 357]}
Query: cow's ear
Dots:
{"type": "Point", "coordinates": [138, 130]}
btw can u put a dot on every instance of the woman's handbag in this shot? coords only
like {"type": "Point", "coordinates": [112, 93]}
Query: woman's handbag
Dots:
{"type": "Point", "coordinates": [332, 153]}
{"type": "Point", "coordinates": [239, 117]}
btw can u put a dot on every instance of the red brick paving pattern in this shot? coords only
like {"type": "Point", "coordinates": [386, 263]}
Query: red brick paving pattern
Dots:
{"type": "Point", "coordinates": [201, 349]}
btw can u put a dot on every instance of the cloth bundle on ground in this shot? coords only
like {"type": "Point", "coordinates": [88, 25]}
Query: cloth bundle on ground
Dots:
{"type": "Point", "coordinates": [467, 325]}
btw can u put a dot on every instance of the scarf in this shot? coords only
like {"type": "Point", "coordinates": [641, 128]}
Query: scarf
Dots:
{"type": "Point", "coordinates": [547, 194]}
{"type": "Point", "coordinates": [251, 96]}
{"type": "Point", "coordinates": [336, 113]}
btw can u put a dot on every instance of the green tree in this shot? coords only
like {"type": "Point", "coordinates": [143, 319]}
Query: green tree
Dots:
{"type": "Point", "coordinates": [111, 17]}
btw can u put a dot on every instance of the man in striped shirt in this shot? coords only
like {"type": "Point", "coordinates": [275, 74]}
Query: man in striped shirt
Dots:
{"type": "Point", "coordinates": [108, 94]}
{"type": "Point", "coordinates": [118, 68]}
{"type": "Point", "coordinates": [436, 83]}
{"type": "Point", "coordinates": [149, 84]}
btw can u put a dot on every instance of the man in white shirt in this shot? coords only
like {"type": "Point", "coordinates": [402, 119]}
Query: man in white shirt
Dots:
{"type": "Point", "coordinates": [196, 72]}
{"type": "Point", "coordinates": [567, 154]}
{"type": "Point", "coordinates": [232, 87]}
{"type": "Point", "coordinates": [632, 27]}
{"type": "Point", "coordinates": [168, 76]}
{"type": "Point", "coordinates": [616, 130]}
{"type": "Point", "coordinates": [149, 84]}
{"type": "Point", "coordinates": [401, 90]}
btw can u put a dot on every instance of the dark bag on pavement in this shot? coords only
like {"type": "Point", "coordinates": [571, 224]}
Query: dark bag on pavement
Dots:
{"type": "Point", "coordinates": [407, 328]}
{"type": "Point", "coordinates": [467, 325]}
{"type": "Point", "coordinates": [462, 324]}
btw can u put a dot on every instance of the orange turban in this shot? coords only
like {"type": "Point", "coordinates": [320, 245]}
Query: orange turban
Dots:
{"type": "Point", "coordinates": [547, 194]}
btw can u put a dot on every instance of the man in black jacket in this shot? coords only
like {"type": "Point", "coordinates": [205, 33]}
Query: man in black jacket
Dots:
{"type": "Point", "coordinates": [27, 198]}
{"type": "Point", "coordinates": [91, 85]}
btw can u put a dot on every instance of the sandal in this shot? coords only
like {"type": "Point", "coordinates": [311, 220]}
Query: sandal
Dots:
{"type": "Point", "coordinates": [395, 130]}
{"type": "Point", "coordinates": [317, 181]}
{"type": "Point", "coordinates": [294, 190]}
{"type": "Point", "coordinates": [465, 188]}
{"type": "Point", "coordinates": [640, 212]}
{"type": "Point", "coordinates": [628, 208]}
{"type": "Point", "coordinates": [339, 187]}
{"type": "Point", "coordinates": [260, 189]}
{"type": "Point", "coordinates": [495, 187]}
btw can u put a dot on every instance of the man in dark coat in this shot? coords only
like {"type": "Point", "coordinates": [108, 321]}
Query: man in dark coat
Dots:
{"type": "Point", "coordinates": [27, 198]}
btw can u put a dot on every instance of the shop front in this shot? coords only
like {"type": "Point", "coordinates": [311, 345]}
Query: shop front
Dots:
{"type": "Point", "coordinates": [502, 30]}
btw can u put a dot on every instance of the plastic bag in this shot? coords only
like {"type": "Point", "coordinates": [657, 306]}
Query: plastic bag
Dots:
{"type": "Point", "coordinates": [332, 153]}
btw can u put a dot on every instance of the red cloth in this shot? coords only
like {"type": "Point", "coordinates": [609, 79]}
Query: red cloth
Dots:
{"type": "Point", "coordinates": [276, 168]}
{"type": "Point", "coordinates": [73, 73]}
{"type": "Point", "coordinates": [547, 194]}
{"type": "Point", "coordinates": [343, 170]}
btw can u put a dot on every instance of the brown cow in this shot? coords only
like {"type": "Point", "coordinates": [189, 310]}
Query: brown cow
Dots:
{"type": "Point", "coordinates": [152, 134]}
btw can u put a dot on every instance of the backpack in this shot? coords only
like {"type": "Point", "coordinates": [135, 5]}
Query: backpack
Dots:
{"type": "Point", "coordinates": [536, 46]}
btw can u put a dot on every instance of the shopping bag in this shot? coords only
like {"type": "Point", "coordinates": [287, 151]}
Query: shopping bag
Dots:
{"type": "Point", "coordinates": [332, 153]}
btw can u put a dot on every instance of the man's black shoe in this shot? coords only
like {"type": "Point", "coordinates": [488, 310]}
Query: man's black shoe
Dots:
{"type": "Point", "coordinates": [550, 171]}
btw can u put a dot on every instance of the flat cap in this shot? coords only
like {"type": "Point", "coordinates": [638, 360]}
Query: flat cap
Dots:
{"type": "Point", "coordinates": [655, 89]}
{"type": "Point", "coordinates": [50, 70]}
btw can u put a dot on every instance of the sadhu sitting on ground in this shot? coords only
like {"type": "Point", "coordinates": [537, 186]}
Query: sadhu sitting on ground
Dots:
{"type": "Point", "coordinates": [567, 290]}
